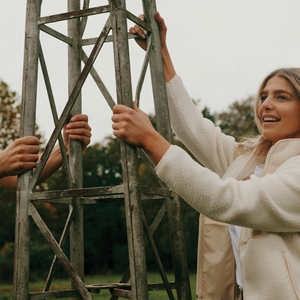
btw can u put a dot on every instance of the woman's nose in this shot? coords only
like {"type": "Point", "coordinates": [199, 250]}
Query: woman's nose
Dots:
{"type": "Point", "coordinates": [267, 103]}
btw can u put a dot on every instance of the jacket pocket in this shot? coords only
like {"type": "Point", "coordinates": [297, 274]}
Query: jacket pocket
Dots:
{"type": "Point", "coordinates": [290, 277]}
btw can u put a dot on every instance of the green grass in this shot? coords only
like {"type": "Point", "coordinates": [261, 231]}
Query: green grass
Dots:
{"type": "Point", "coordinates": [6, 289]}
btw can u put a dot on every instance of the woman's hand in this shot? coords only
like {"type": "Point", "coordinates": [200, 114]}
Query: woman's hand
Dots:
{"type": "Point", "coordinates": [134, 127]}
{"type": "Point", "coordinates": [19, 156]}
{"type": "Point", "coordinates": [131, 125]}
{"type": "Point", "coordinates": [78, 129]}
{"type": "Point", "coordinates": [141, 41]}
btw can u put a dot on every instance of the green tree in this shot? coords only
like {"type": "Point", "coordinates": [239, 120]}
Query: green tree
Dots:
{"type": "Point", "coordinates": [238, 120]}
{"type": "Point", "coordinates": [9, 115]}
{"type": "Point", "coordinates": [102, 164]}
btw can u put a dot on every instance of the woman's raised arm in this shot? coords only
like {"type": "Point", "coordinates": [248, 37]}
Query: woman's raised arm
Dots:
{"type": "Point", "coordinates": [141, 41]}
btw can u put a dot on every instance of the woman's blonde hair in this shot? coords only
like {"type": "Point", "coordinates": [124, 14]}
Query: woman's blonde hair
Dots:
{"type": "Point", "coordinates": [292, 75]}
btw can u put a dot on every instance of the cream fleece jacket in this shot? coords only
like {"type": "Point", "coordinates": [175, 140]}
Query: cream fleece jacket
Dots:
{"type": "Point", "coordinates": [269, 206]}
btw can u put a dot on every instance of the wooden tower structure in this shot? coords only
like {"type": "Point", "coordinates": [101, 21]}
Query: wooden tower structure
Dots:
{"type": "Point", "coordinates": [139, 233]}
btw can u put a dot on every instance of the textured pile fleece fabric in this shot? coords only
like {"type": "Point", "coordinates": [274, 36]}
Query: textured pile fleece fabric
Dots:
{"type": "Point", "coordinates": [267, 207]}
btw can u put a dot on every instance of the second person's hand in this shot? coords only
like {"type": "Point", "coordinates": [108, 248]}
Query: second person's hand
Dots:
{"type": "Point", "coordinates": [19, 156]}
{"type": "Point", "coordinates": [78, 129]}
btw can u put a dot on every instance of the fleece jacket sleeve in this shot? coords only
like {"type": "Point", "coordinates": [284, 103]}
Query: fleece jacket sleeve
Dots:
{"type": "Point", "coordinates": [208, 144]}
{"type": "Point", "coordinates": [270, 203]}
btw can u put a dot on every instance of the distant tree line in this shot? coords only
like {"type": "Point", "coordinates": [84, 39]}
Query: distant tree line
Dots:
{"type": "Point", "coordinates": [104, 224]}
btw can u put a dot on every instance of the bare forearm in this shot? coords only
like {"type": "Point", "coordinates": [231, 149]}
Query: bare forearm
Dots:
{"type": "Point", "coordinates": [9, 182]}
{"type": "Point", "coordinates": [156, 147]}
{"type": "Point", "coordinates": [53, 164]}
{"type": "Point", "coordinates": [168, 65]}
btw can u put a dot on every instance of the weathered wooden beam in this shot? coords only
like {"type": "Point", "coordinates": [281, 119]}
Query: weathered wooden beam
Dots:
{"type": "Point", "coordinates": [127, 286]}
{"type": "Point", "coordinates": [56, 34]}
{"type": "Point", "coordinates": [83, 22]}
{"type": "Point", "coordinates": [75, 146]}
{"type": "Point", "coordinates": [152, 190]}
{"type": "Point", "coordinates": [91, 41]}
{"type": "Point", "coordinates": [61, 244]}
{"type": "Point", "coordinates": [80, 192]}
{"type": "Point", "coordinates": [114, 198]}
{"type": "Point", "coordinates": [147, 192]}
{"type": "Point", "coordinates": [142, 74]}
{"type": "Point", "coordinates": [99, 83]}
{"type": "Point", "coordinates": [53, 294]}
{"type": "Point", "coordinates": [99, 199]}
{"type": "Point", "coordinates": [158, 260]}
{"type": "Point", "coordinates": [138, 21]}
{"type": "Point", "coordinates": [73, 14]}
{"type": "Point", "coordinates": [60, 254]}
{"type": "Point", "coordinates": [29, 92]}
{"type": "Point", "coordinates": [134, 223]}
{"type": "Point", "coordinates": [117, 289]}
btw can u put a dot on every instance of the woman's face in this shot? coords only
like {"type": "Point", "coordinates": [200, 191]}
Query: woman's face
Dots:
{"type": "Point", "coordinates": [279, 111]}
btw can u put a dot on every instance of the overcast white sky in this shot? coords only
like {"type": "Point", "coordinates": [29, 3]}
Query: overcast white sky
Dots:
{"type": "Point", "coordinates": [221, 49]}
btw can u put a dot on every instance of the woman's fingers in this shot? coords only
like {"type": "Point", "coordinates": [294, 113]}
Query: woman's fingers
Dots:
{"type": "Point", "coordinates": [131, 125]}
{"type": "Point", "coordinates": [139, 30]}
{"type": "Point", "coordinates": [120, 118]}
{"type": "Point", "coordinates": [142, 33]}
{"type": "Point", "coordinates": [19, 156]}
{"type": "Point", "coordinates": [79, 129]}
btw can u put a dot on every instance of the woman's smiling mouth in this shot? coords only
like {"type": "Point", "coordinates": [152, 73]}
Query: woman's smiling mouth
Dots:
{"type": "Point", "coordinates": [271, 119]}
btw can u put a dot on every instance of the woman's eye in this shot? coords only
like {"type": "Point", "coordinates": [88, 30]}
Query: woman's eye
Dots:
{"type": "Point", "coordinates": [282, 97]}
{"type": "Point", "coordinates": [263, 98]}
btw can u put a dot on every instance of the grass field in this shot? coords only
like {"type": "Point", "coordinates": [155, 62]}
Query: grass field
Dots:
{"type": "Point", "coordinates": [6, 289]}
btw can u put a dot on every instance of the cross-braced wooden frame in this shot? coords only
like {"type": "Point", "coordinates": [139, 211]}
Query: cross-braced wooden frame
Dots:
{"type": "Point", "coordinates": [76, 196]}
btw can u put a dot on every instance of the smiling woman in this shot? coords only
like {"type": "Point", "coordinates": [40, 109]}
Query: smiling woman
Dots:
{"type": "Point", "coordinates": [278, 105]}
{"type": "Point", "coordinates": [253, 186]}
